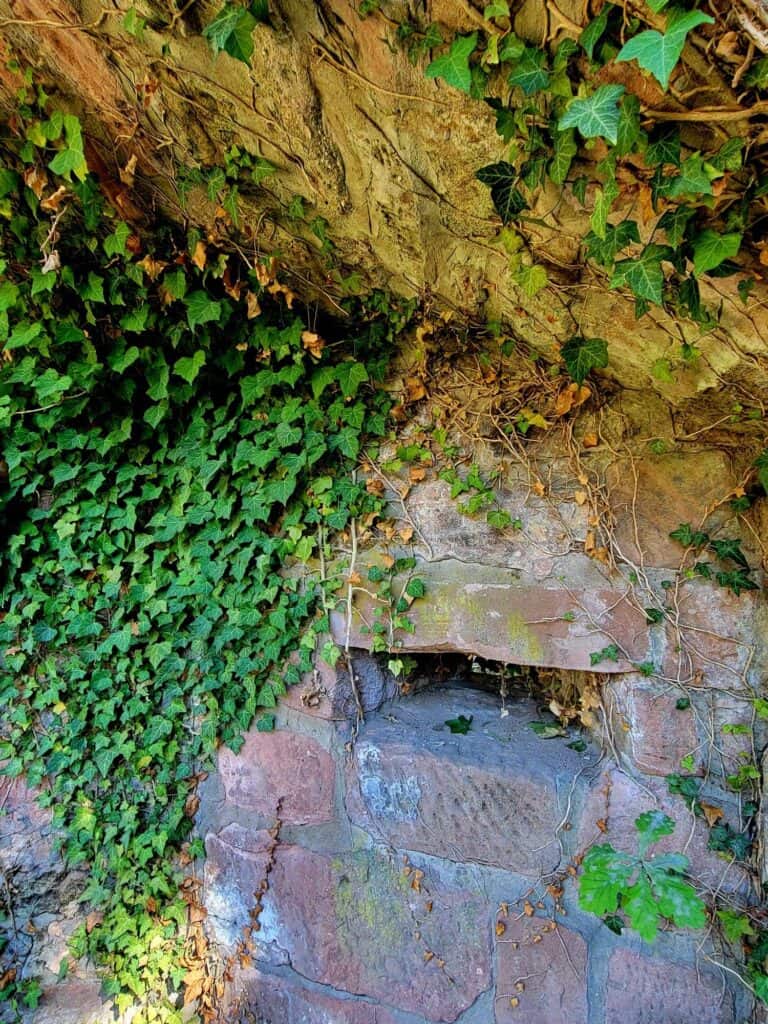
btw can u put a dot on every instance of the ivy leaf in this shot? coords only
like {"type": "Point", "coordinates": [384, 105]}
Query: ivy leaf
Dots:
{"type": "Point", "coordinates": [188, 367]}
{"type": "Point", "coordinates": [595, 115]}
{"type": "Point", "coordinates": [232, 31]}
{"type": "Point", "coordinates": [566, 149]}
{"type": "Point", "coordinates": [531, 279]}
{"type": "Point", "coordinates": [695, 178]}
{"type": "Point", "coordinates": [593, 33]}
{"type": "Point", "coordinates": [761, 465]}
{"type": "Point", "coordinates": [677, 900]}
{"type": "Point", "coordinates": [665, 149]}
{"type": "Point", "coordinates": [659, 52]}
{"type": "Point", "coordinates": [684, 534]}
{"type": "Point", "coordinates": [609, 653]}
{"type": "Point", "coordinates": [502, 177]}
{"type": "Point", "coordinates": [350, 376]}
{"type": "Point", "coordinates": [582, 355]}
{"type": "Point", "coordinates": [201, 309]}
{"type": "Point", "coordinates": [735, 925]}
{"type": "Point", "coordinates": [643, 273]}
{"type": "Point", "coordinates": [605, 875]}
{"type": "Point", "coordinates": [460, 725]}
{"type": "Point", "coordinates": [453, 67]}
{"type": "Point", "coordinates": [711, 248]}
{"type": "Point", "coordinates": [71, 159]}
{"type": "Point", "coordinates": [674, 223]}
{"type": "Point", "coordinates": [506, 126]}
{"type": "Point", "coordinates": [530, 73]}
{"type": "Point", "coordinates": [617, 237]}
{"type": "Point", "coordinates": [730, 548]}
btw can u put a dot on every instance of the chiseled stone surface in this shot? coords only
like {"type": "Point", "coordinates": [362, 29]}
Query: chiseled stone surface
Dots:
{"type": "Point", "coordinates": [484, 610]}
{"type": "Point", "coordinates": [641, 990]}
{"type": "Point", "coordinates": [544, 970]}
{"type": "Point", "coordinates": [489, 796]}
{"type": "Point", "coordinates": [280, 766]}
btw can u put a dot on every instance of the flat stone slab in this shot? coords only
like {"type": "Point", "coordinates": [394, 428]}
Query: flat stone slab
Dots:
{"type": "Point", "coordinates": [484, 610]}
{"type": "Point", "coordinates": [488, 797]}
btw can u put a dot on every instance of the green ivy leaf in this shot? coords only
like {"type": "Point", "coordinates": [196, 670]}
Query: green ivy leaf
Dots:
{"type": "Point", "coordinates": [530, 73]}
{"type": "Point", "coordinates": [502, 179]}
{"type": "Point", "coordinates": [609, 653]}
{"type": "Point", "coordinates": [605, 875]}
{"type": "Point", "coordinates": [736, 926]}
{"type": "Point", "coordinates": [188, 367]}
{"type": "Point", "coordinates": [761, 465]}
{"type": "Point", "coordinates": [640, 906]}
{"type": "Point", "coordinates": [711, 248]}
{"type": "Point", "coordinates": [202, 309]}
{"type": "Point", "coordinates": [350, 376]}
{"type": "Point", "coordinates": [582, 355]}
{"type": "Point", "coordinates": [593, 33]}
{"type": "Point", "coordinates": [453, 67]}
{"type": "Point", "coordinates": [531, 279]}
{"type": "Point", "coordinates": [643, 274]}
{"type": "Point", "coordinates": [651, 827]}
{"type": "Point", "coordinates": [460, 725]}
{"type": "Point", "coordinates": [659, 52]}
{"type": "Point", "coordinates": [677, 900]}
{"type": "Point", "coordinates": [595, 115]}
{"type": "Point", "coordinates": [675, 223]}
{"type": "Point", "coordinates": [232, 31]}
{"type": "Point", "coordinates": [730, 548]}
{"type": "Point", "coordinates": [617, 237]}
{"type": "Point", "coordinates": [664, 149]}
{"type": "Point", "coordinates": [565, 149]}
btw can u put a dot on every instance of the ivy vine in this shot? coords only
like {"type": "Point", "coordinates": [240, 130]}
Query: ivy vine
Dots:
{"type": "Point", "coordinates": [175, 447]}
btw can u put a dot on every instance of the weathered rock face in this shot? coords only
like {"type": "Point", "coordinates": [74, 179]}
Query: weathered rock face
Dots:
{"type": "Point", "coordinates": [384, 155]}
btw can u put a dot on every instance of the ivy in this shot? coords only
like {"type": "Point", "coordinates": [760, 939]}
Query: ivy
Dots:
{"type": "Point", "coordinates": [453, 67]}
{"type": "Point", "coordinates": [231, 30]}
{"type": "Point", "coordinates": [164, 459]}
{"type": "Point", "coordinates": [659, 52]}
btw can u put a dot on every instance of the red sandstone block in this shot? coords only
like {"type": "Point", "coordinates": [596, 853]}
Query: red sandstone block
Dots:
{"type": "Point", "coordinates": [541, 974]}
{"type": "Point", "coordinates": [276, 765]}
{"type": "Point", "coordinates": [643, 991]}
{"type": "Point", "coordinates": [356, 922]}
{"type": "Point", "coordinates": [648, 727]}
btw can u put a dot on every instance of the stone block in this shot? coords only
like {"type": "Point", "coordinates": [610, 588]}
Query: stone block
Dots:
{"type": "Point", "coordinates": [357, 923]}
{"type": "Point", "coordinates": [651, 497]}
{"type": "Point", "coordinates": [645, 991]}
{"type": "Point", "coordinates": [716, 643]}
{"type": "Point", "coordinates": [284, 1000]}
{"type": "Point", "coordinates": [73, 1001]}
{"type": "Point", "coordinates": [280, 765]}
{"type": "Point", "coordinates": [483, 610]}
{"type": "Point", "coordinates": [544, 968]}
{"type": "Point", "coordinates": [647, 726]}
{"type": "Point", "coordinates": [489, 797]}
{"type": "Point", "coordinates": [235, 865]}
{"type": "Point", "coordinates": [616, 801]}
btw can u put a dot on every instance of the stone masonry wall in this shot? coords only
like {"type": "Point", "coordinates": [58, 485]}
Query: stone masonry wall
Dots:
{"type": "Point", "coordinates": [423, 876]}
{"type": "Point", "coordinates": [428, 877]}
